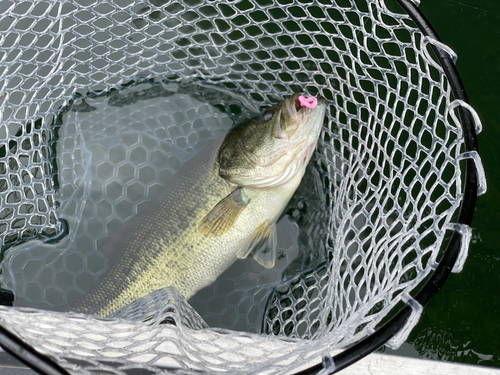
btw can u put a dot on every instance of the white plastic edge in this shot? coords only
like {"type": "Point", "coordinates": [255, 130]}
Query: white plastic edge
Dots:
{"type": "Point", "coordinates": [481, 176]}
{"type": "Point", "coordinates": [478, 126]}
{"type": "Point", "coordinates": [328, 364]}
{"type": "Point", "coordinates": [441, 46]}
{"type": "Point", "coordinates": [412, 321]}
{"type": "Point", "coordinates": [466, 233]}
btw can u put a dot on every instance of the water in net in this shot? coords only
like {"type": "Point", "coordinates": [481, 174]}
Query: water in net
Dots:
{"type": "Point", "coordinates": [382, 190]}
{"type": "Point", "coordinates": [113, 151]}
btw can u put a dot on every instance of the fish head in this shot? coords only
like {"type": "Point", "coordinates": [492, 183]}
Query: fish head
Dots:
{"type": "Point", "coordinates": [273, 148]}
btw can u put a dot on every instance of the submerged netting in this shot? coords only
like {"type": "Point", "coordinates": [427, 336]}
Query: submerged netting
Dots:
{"type": "Point", "coordinates": [102, 102]}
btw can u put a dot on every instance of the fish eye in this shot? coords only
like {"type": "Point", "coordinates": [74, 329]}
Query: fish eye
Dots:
{"type": "Point", "coordinates": [267, 115]}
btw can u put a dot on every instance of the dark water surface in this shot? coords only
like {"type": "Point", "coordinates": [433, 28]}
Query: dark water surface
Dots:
{"type": "Point", "coordinates": [462, 322]}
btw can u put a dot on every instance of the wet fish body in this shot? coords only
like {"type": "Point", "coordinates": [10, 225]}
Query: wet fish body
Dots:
{"type": "Point", "coordinates": [221, 205]}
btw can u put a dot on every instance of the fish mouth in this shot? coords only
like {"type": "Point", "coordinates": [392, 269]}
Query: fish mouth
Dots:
{"type": "Point", "coordinates": [307, 124]}
{"type": "Point", "coordinates": [295, 107]}
{"type": "Point", "coordinates": [296, 101]}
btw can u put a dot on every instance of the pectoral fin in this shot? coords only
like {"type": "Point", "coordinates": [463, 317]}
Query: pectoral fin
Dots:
{"type": "Point", "coordinates": [263, 245]}
{"type": "Point", "coordinates": [224, 214]}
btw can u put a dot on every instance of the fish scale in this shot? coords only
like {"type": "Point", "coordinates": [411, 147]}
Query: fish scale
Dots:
{"type": "Point", "coordinates": [202, 222]}
{"type": "Point", "coordinates": [136, 261]}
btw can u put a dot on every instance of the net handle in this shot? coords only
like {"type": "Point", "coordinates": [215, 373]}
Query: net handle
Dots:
{"type": "Point", "coordinates": [391, 329]}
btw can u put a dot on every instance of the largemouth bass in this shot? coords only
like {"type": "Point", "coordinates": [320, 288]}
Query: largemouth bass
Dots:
{"type": "Point", "coordinates": [222, 204]}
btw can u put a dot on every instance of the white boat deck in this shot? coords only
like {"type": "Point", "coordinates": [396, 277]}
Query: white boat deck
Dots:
{"type": "Point", "coordinates": [374, 364]}
{"type": "Point", "coordinates": [384, 364]}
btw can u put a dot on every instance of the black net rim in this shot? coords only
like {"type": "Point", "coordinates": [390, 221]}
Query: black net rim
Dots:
{"type": "Point", "coordinates": [436, 281]}
{"type": "Point", "coordinates": [45, 365]}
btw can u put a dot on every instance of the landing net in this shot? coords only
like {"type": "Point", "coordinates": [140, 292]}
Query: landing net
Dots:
{"type": "Point", "coordinates": [103, 101]}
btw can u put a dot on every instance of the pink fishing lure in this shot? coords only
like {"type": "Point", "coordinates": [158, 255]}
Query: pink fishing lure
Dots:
{"type": "Point", "coordinates": [311, 102]}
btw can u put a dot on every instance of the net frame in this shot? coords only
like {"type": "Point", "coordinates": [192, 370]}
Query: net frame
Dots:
{"type": "Point", "coordinates": [474, 185]}
{"type": "Point", "coordinates": [455, 247]}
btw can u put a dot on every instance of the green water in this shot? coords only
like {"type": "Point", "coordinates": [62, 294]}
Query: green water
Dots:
{"type": "Point", "coordinates": [462, 322]}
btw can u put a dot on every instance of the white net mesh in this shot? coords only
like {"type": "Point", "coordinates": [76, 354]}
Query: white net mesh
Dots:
{"type": "Point", "coordinates": [118, 346]}
{"type": "Point", "coordinates": [81, 152]}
